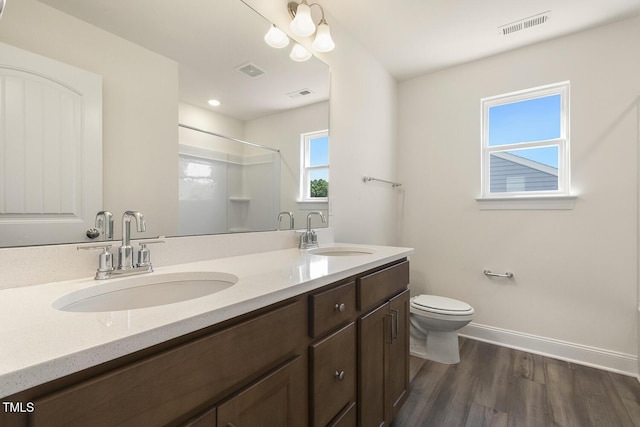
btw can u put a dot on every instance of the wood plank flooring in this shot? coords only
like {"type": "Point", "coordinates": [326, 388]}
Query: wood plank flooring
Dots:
{"type": "Point", "coordinates": [501, 387]}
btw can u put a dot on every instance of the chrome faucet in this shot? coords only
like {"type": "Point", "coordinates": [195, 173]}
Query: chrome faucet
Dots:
{"type": "Point", "coordinates": [309, 239]}
{"type": "Point", "coordinates": [126, 266]}
{"type": "Point", "coordinates": [104, 222]}
{"type": "Point", "coordinates": [281, 214]}
{"type": "Point", "coordinates": [125, 252]}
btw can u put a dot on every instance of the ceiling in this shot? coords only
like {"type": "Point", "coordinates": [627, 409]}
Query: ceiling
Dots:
{"type": "Point", "coordinates": [210, 40]}
{"type": "Point", "coordinates": [408, 37]}
{"type": "Point", "coordinates": [414, 37]}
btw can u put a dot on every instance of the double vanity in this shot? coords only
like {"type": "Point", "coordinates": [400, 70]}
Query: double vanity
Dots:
{"type": "Point", "coordinates": [287, 337]}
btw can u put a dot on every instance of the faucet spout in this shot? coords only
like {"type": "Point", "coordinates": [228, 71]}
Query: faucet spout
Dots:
{"type": "Point", "coordinates": [125, 253]}
{"type": "Point", "coordinates": [309, 219]}
{"type": "Point", "coordinates": [141, 225]}
{"type": "Point", "coordinates": [291, 220]}
{"type": "Point", "coordinates": [309, 239]}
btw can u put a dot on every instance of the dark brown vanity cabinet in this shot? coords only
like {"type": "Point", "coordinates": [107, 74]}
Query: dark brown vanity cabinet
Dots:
{"type": "Point", "coordinates": [231, 366]}
{"type": "Point", "coordinates": [336, 356]}
{"type": "Point", "coordinates": [383, 346]}
{"type": "Point", "coordinates": [379, 343]}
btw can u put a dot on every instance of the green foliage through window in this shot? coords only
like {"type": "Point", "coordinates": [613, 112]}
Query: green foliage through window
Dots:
{"type": "Point", "coordinates": [319, 188]}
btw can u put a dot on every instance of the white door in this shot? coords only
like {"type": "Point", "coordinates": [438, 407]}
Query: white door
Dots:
{"type": "Point", "coordinates": [50, 149]}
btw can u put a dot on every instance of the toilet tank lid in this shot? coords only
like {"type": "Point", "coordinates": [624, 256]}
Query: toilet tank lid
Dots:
{"type": "Point", "coordinates": [441, 303]}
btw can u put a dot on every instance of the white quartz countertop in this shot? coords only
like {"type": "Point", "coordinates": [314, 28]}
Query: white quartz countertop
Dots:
{"type": "Point", "coordinates": [41, 343]}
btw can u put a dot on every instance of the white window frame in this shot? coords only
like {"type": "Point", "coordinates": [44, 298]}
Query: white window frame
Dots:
{"type": "Point", "coordinates": [564, 173]}
{"type": "Point", "coordinates": [305, 168]}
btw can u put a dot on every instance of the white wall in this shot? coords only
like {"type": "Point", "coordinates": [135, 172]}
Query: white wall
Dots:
{"type": "Point", "coordinates": [362, 134]}
{"type": "Point", "coordinates": [140, 108]}
{"type": "Point", "coordinates": [575, 270]}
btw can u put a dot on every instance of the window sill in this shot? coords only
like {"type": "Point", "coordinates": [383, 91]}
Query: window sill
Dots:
{"type": "Point", "coordinates": [312, 205]}
{"type": "Point", "coordinates": [527, 203]}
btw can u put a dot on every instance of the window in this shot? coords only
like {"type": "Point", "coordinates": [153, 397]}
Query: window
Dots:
{"type": "Point", "coordinates": [314, 173]}
{"type": "Point", "coordinates": [525, 143]}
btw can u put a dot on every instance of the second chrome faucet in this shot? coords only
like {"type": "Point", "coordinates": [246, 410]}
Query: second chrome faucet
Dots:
{"type": "Point", "coordinates": [309, 239]}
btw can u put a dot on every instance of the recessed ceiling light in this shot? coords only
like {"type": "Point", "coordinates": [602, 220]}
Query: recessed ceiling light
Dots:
{"type": "Point", "coordinates": [214, 102]}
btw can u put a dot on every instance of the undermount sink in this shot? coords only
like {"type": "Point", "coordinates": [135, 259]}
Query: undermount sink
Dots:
{"type": "Point", "coordinates": [341, 251]}
{"type": "Point", "coordinates": [145, 291]}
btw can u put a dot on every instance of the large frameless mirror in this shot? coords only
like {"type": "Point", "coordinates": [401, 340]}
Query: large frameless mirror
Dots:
{"type": "Point", "coordinates": [163, 150]}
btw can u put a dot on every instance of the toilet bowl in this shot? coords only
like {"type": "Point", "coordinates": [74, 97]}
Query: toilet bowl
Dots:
{"type": "Point", "coordinates": [433, 328]}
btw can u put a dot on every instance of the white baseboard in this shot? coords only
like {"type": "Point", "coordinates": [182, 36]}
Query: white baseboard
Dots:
{"type": "Point", "coordinates": [625, 364]}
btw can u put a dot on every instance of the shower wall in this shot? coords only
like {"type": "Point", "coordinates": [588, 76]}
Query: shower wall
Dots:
{"type": "Point", "coordinates": [222, 192]}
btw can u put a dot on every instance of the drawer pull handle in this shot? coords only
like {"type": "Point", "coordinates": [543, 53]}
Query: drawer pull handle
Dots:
{"type": "Point", "coordinates": [341, 307]}
{"type": "Point", "coordinates": [339, 375]}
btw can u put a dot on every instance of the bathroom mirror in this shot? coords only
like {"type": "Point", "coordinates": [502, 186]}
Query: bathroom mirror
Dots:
{"type": "Point", "coordinates": [160, 62]}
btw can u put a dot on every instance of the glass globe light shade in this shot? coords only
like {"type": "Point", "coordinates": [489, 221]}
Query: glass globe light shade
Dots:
{"type": "Point", "coordinates": [323, 41]}
{"type": "Point", "coordinates": [302, 25]}
{"type": "Point", "coordinates": [275, 37]}
{"type": "Point", "coordinates": [299, 53]}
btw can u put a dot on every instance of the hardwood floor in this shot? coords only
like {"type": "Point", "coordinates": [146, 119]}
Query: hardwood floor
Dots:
{"type": "Point", "coordinates": [498, 386]}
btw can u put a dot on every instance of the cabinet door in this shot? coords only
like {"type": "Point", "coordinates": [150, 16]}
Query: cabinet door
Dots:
{"type": "Point", "coordinates": [346, 418]}
{"type": "Point", "coordinates": [276, 400]}
{"type": "Point", "coordinates": [398, 361]}
{"type": "Point", "coordinates": [374, 329]}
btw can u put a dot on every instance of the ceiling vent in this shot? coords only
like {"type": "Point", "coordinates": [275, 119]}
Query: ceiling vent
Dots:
{"type": "Point", "coordinates": [250, 70]}
{"type": "Point", "coordinates": [524, 24]}
{"type": "Point", "coordinates": [299, 93]}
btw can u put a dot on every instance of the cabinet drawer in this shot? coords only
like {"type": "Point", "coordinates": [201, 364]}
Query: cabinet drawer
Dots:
{"type": "Point", "coordinates": [331, 308]}
{"type": "Point", "coordinates": [171, 384]}
{"type": "Point", "coordinates": [333, 373]}
{"type": "Point", "coordinates": [375, 288]}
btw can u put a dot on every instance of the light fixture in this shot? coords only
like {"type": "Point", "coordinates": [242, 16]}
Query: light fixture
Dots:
{"type": "Point", "coordinates": [323, 41]}
{"type": "Point", "coordinates": [213, 102]}
{"type": "Point", "coordinates": [302, 25]}
{"type": "Point", "coordinates": [2, 5]}
{"type": "Point", "coordinates": [299, 53]}
{"type": "Point", "coordinates": [275, 37]}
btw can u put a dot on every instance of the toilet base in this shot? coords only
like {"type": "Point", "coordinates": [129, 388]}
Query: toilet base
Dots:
{"type": "Point", "coordinates": [438, 346]}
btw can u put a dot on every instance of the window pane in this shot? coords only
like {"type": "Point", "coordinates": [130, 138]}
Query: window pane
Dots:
{"type": "Point", "coordinates": [532, 169]}
{"type": "Point", "coordinates": [525, 121]}
{"type": "Point", "coordinates": [319, 151]}
{"type": "Point", "coordinates": [319, 182]}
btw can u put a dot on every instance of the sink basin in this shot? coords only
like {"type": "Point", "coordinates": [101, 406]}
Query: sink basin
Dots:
{"type": "Point", "coordinates": [145, 291]}
{"type": "Point", "coordinates": [341, 251]}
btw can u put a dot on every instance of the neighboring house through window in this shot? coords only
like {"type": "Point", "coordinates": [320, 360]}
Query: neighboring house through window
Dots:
{"type": "Point", "coordinates": [314, 161]}
{"type": "Point", "coordinates": [525, 143]}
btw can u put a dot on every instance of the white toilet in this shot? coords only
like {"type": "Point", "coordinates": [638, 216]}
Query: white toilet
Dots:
{"type": "Point", "coordinates": [434, 324]}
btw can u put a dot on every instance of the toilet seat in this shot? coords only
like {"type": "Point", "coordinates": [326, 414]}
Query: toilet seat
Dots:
{"type": "Point", "coordinates": [441, 305]}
